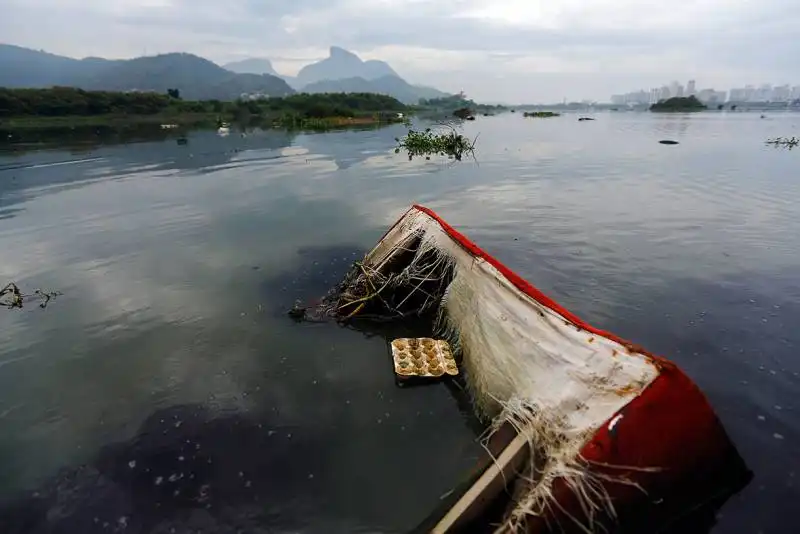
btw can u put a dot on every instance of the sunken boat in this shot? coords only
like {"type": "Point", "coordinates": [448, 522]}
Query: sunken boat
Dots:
{"type": "Point", "coordinates": [586, 432]}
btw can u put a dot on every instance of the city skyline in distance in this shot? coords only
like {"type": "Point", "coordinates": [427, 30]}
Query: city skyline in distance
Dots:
{"type": "Point", "coordinates": [750, 93]}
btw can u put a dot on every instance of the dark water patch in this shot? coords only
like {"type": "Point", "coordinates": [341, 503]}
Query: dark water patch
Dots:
{"type": "Point", "coordinates": [315, 272]}
{"type": "Point", "coordinates": [186, 468]}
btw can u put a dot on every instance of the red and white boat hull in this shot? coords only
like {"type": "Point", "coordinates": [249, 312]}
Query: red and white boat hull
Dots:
{"type": "Point", "coordinates": [607, 435]}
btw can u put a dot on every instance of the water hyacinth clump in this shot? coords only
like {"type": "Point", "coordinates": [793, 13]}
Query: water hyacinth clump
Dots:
{"type": "Point", "coordinates": [428, 142]}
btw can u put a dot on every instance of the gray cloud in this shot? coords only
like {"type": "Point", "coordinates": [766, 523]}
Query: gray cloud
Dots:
{"type": "Point", "coordinates": [567, 48]}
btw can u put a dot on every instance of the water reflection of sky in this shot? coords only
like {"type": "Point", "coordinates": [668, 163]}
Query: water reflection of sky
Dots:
{"type": "Point", "coordinates": [177, 260]}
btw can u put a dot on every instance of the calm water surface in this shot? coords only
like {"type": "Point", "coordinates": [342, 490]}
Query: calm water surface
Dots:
{"type": "Point", "coordinates": [167, 391]}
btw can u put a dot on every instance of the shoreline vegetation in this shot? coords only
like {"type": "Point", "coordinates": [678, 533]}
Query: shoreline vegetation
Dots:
{"type": "Point", "coordinates": [72, 108]}
{"type": "Point", "coordinates": [67, 107]}
{"type": "Point", "coordinates": [679, 104]}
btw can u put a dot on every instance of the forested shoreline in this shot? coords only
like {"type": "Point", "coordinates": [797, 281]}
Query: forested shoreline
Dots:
{"type": "Point", "coordinates": [66, 102]}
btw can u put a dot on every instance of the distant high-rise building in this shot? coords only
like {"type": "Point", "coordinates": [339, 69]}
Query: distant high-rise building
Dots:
{"type": "Point", "coordinates": [795, 92]}
{"type": "Point", "coordinates": [690, 88]}
{"type": "Point", "coordinates": [675, 89]}
{"type": "Point", "coordinates": [704, 95]}
{"type": "Point", "coordinates": [655, 95]}
{"type": "Point", "coordinates": [710, 96]}
{"type": "Point", "coordinates": [781, 93]}
{"type": "Point", "coordinates": [763, 93]}
{"type": "Point", "coordinates": [738, 95]}
{"type": "Point", "coordinates": [665, 94]}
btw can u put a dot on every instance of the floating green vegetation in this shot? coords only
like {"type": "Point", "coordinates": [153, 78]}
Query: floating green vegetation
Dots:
{"type": "Point", "coordinates": [541, 114]}
{"type": "Point", "coordinates": [784, 142]}
{"type": "Point", "coordinates": [428, 142]}
{"type": "Point", "coordinates": [12, 297]}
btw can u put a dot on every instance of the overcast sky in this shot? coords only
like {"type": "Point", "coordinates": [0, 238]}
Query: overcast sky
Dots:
{"type": "Point", "coordinates": [496, 50]}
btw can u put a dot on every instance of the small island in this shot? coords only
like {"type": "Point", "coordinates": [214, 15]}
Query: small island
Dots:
{"type": "Point", "coordinates": [679, 104]}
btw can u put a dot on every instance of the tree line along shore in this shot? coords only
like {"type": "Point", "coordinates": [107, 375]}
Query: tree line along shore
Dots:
{"type": "Point", "coordinates": [69, 106]}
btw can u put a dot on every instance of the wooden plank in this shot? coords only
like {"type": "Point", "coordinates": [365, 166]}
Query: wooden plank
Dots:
{"type": "Point", "coordinates": [494, 479]}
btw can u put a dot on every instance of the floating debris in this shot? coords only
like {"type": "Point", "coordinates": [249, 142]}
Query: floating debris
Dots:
{"type": "Point", "coordinates": [668, 142]}
{"type": "Point", "coordinates": [298, 311]}
{"type": "Point", "coordinates": [784, 142]}
{"type": "Point", "coordinates": [12, 297]}
{"type": "Point", "coordinates": [580, 119]}
{"type": "Point", "coordinates": [464, 113]}
{"type": "Point", "coordinates": [422, 357]}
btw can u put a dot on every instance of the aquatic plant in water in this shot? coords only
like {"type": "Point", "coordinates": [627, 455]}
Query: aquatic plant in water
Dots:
{"type": "Point", "coordinates": [12, 297]}
{"type": "Point", "coordinates": [428, 142]}
{"type": "Point", "coordinates": [784, 142]}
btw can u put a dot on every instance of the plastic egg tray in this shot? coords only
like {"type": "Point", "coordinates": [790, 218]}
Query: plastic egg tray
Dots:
{"type": "Point", "coordinates": [423, 357]}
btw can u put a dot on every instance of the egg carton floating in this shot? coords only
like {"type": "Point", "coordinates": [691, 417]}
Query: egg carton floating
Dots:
{"type": "Point", "coordinates": [422, 357]}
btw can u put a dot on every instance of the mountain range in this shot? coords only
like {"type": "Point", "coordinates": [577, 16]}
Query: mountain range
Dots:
{"type": "Point", "coordinates": [200, 79]}
{"type": "Point", "coordinates": [341, 64]}
{"type": "Point", "coordinates": [195, 77]}
{"type": "Point", "coordinates": [252, 66]}
{"type": "Point", "coordinates": [344, 71]}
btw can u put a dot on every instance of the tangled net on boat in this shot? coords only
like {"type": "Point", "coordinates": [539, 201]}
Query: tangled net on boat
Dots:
{"type": "Point", "coordinates": [412, 284]}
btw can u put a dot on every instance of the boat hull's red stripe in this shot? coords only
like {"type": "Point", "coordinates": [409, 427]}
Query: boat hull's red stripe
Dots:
{"type": "Point", "coordinates": [670, 426]}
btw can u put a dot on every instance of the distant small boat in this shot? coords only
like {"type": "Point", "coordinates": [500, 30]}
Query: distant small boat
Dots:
{"type": "Point", "coordinates": [668, 142]}
{"type": "Point", "coordinates": [168, 126]}
{"type": "Point", "coordinates": [585, 119]}
{"type": "Point", "coordinates": [224, 130]}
